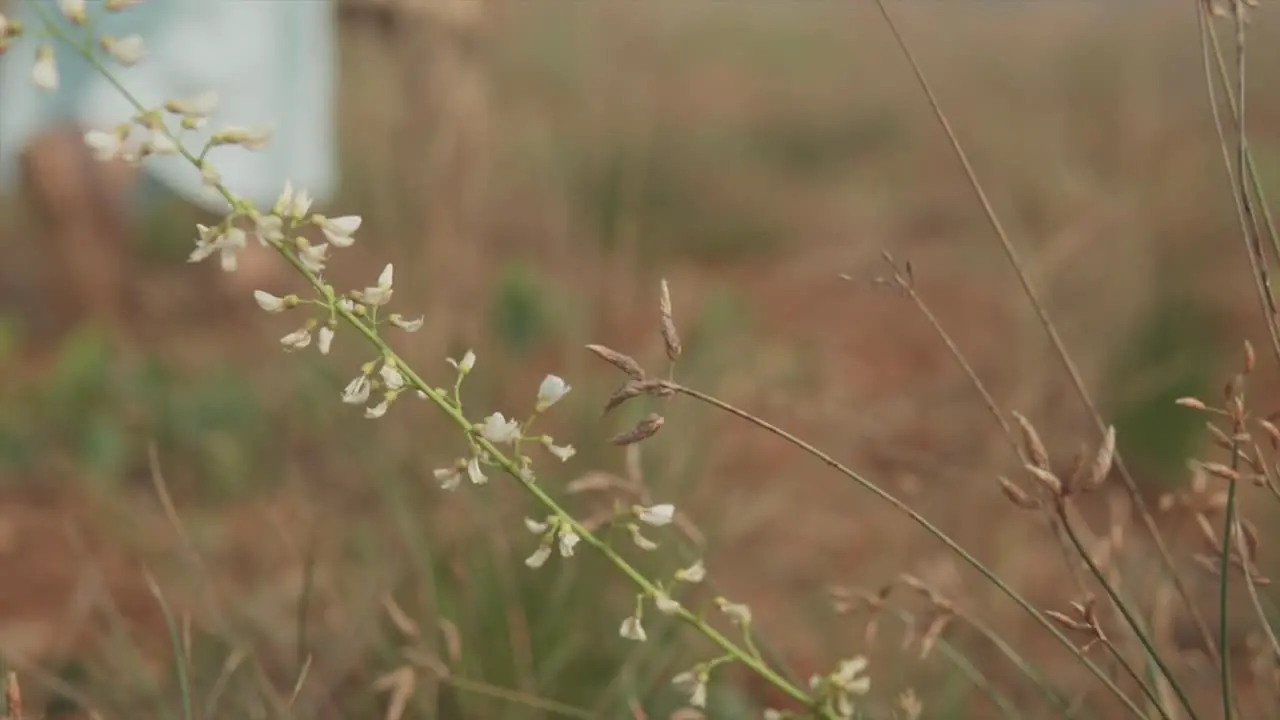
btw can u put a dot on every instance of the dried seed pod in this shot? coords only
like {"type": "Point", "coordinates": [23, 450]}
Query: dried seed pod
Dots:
{"type": "Point", "coordinates": [1031, 443]}
{"type": "Point", "coordinates": [1016, 495]}
{"type": "Point", "coordinates": [630, 389]}
{"type": "Point", "coordinates": [1250, 358]}
{"type": "Point", "coordinates": [623, 362]}
{"type": "Point", "coordinates": [1101, 466]}
{"type": "Point", "coordinates": [1220, 470]}
{"type": "Point", "coordinates": [670, 338]}
{"type": "Point", "coordinates": [643, 430]}
{"type": "Point", "coordinates": [1050, 480]}
{"type": "Point", "coordinates": [1193, 403]}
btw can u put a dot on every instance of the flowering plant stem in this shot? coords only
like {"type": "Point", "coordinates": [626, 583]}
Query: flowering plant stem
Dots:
{"type": "Point", "coordinates": [748, 656]}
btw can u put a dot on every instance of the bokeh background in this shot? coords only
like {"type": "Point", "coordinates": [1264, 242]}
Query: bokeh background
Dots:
{"type": "Point", "coordinates": [533, 169]}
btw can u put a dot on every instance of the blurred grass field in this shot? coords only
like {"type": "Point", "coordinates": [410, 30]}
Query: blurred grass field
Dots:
{"type": "Point", "coordinates": [532, 173]}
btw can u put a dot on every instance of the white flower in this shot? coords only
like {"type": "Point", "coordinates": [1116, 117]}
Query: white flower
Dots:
{"type": "Point", "coordinates": [313, 257]}
{"type": "Point", "coordinates": [848, 676]}
{"type": "Point", "coordinates": [159, 144]}
{"type": "Point", "coordinates": [391, 377]}
{"type": "Point", "coordinates": [380, 295]}
{"type": "Point", "coordinates": [450, 478]}
{"type": "Point", "coordinates": [475, 473]}
{"type": "Point", "coordinates": [568, 539]}
{"type": "Point", "coordinates": [324, 339]}
{"type": "Point", "coordinates": [227, 244]}
{"type": "Point", "coordinates": [377, 411]}
{"type": "Point", "coordinates": [656, 515]}
{"type": "Point", "coordinates": [695, 685]}
{"type": "Point", "coordinates": [269, 302]}
{"type": "Point", "coordinates": [665, 604]}
{"type": "Point", "coordinates": [296, 340]}
{"type": "Point", "coordinates": [45, 72]}
{"type": "Point", "coordinates": [127, 50]}
{"type": "Point", "coordinates": [539, 557]}
{"type": "Point", "coordinates": [268, 228]}
{"type": "Point", "coordinates": [339, 230]}
{"type": "Point", "coordinates": [632, 629]}
{"type": "Point", "coordinates": [738, 613]}
{"type": "Point", "coordinates": [464, 366]}
{"type": "Point", "coordinates": [549, 393]}
{"type": "Point", "coordinates": [641, 541]}
{"type": "Point", "coordinates": [357, 391]}
{"type": "Point", "coordinates": [406, 325]}
{"type": "Point", "coordinates": [695, 573]}
{"type": "Point", "coordinates": [497, 429]}
{"type": "Point", "coordinates": [200, 106]}
{"type": "Point", "coordinates": [535, 526]}
{"type": "Point", "coordinates": [563, 452]}
{"type": "Point", "coordinates": [103, 145]}
{"type": "Point", "coordinates": [73, 10]}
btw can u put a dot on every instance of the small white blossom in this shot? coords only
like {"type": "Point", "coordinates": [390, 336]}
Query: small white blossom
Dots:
{"type": "Point", "coordinates": [357, 391]}
{"type": "Point", "coordinates": [535, 526]}
{"type": "Point", "coordinates": [159, 144]}
{"type": "Point", "coordinates": [549, 393]}
{"type": "Point", "coordinates": [269, 302]}
{"type": "Point", "coordinates": [539, 557]}
{"type": "Point", "coordinates": [656, 515]}
{"type": "Point", "coordinates": [380, 295]}
{"type": "Point", "coordinates": [391, 377]}
{"type": "Point", "coordinates": [296, 340]}
{"type": "Point", "coordinates": [406, 325]}
{"type": "Point", "coordinates": [377, 411]}
{"type": "Point", "coordinates": [475, 473]}
{"type": "Point", "coordinates": [568, 540]}
{"type": "Point", "coordinates": [464, 366]}
{"type": "Point", "coordinates": [563, 452]}
{"type": "Point", "coordinates": [44, 74]}
{"type": "Point", "coordinates": [849, 678]}
{"type": "Point", "coordinates": [314, 257]}
{"type": "Point", "coordinates": [740, 614]}
{"type": "Point", "coordinates": [338, 231]}
{"type": "Point", "coordinates": [324, 339]}
{"type": "Point", "coordinates": [209, 179]}
{"type": "Point", "coordinates": [665, 604]}
{"type": "Point", "coordinates": [127, 51]}
{"type": "Point", "coordinates": [104, 145]}
{"type": "Point", "coordinates": [73, 10]}
{"type": "Point", "coordinates": [695, 573]}
{"type": "Point", "coordinates": [450, 478]}
{"type": "Point", "coordinates": [641, 541]}
{"type": "Point", "coordinates": [497, 429]}
{"type": "Point", "coordinates": [200, 106]}
{"type": "Point", "coordinates": [632, 629]}
{"type": "Point", "coordinates": [694, 684]}
{"type": "Point", "coordinates": [269, 229]}
{"type": "Point", "coordinates": [227, 244]}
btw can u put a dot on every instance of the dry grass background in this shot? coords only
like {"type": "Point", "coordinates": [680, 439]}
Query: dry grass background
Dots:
{"type": "Point", "coordinates": [533, 168]}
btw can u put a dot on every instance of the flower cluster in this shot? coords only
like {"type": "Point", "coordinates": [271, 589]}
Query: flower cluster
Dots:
{"type": "Point", "coordinates": [306, 240]}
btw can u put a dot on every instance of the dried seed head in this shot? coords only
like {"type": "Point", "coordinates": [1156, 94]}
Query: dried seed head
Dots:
{"type": "Point", "coordinates": [1272, 432]}
{"type": "Point", "coordinates": [1193, 403]}
{"type": "Point", "coordinates": [656, 387]}
{"type": "Point", "coordinates": [1031, 443]}
{"type": "Point", "coordinates": [643, 430]}
{"type": "Point", "coordinates": [623, 362]}
{"type": "Point", "coordinates": [1219, 470]}
{"type": "Point", "coordinates": [1067, 621]}
{"type": "Point", "coordinates": [1016, 495]}
{"type": "Point", "coordinates": [1050, 480]}
{"type": "Point", "coordinates": [670, 338]}
{"type": "Point", "coordinates": [1250, 358]}
{"type": "Point", "coordinates": [1101, 462]}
